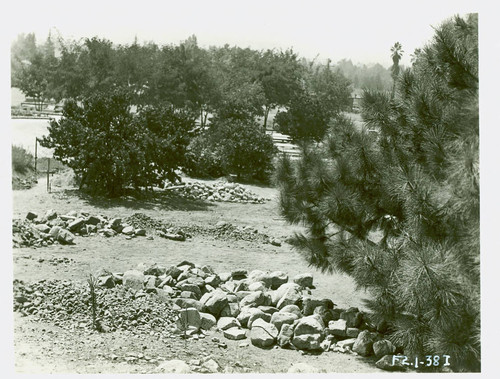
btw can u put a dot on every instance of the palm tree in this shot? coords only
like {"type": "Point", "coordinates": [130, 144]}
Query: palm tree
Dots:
{"type": "Point", "coordinates": [396, 54]}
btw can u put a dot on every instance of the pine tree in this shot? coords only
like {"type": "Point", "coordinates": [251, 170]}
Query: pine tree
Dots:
{"type": "Point", "coordinates": [398, 209]}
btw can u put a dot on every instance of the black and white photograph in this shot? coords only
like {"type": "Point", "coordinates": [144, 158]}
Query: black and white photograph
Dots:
{"type": "Point", "coordinates": [246, 187]}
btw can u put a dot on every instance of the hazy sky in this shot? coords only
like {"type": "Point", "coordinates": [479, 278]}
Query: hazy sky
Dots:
{"type": "Point", "coordinates": [360, 30]}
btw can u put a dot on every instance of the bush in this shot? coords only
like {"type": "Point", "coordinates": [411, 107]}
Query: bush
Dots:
{"type": "Point", "coordinates": [231, 146]}
{"type": "Point", "coordinates": [110, 149]}
{"type": "Point", "coordinates": [22, 160]}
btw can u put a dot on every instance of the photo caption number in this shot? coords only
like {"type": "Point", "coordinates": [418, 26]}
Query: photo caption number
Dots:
{"type": "Point", "coordinates": [429, 360]}
{"type": "Point", "coordinates": [436, 360]}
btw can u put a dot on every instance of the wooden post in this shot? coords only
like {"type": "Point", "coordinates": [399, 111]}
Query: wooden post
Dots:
{"type": "Point", "coordinates": [36, 146]}
{"type": "Point", "coordinates": [48, 174]}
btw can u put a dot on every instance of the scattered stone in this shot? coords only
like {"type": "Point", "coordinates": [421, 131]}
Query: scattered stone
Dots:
{"type": "Point", "coordinates": [235, 333]}
{"type": "Point", "coordinates": [230, 310]}
{"type": "Point", "coordinates": [189, 303]}
{"type": "Point", "coordinates": [337, 328]}
{"type": "Point", "coordinates": [292, 308]}
{"type": "Point", "coordinates": [189, 319]}
{"type": "Point", "coordinates": [308, 333]}
{"type": "Point", "coordinates": [352, 332]}
{"type": "Point", "coordinates": [278, 278]}
{"type": "Point", "coordinates": [304, 280]}
{"type": "Point", "coordinates": [50, 214]}
{"type": "Point", "coordinates": [280, 318]}
{"type": "Point", "coordinates": [258, 315]}
{"type": "Point", "coordinates": [364, 343]}
{"type": "Point", "coordinates": [44, 228]}
{"type": "Point", "coordinates": [133, 279]}
{"type": "Point", "coordinates": [227, 322]}
{"type": "Point", "coordinates": [263, 334]}
{"type": "Point", "coordinates": [128, 230]}
{"type": "Point", "coordinates": [268, 309]}
{"type": "Point", "coordinates": [383, 347]}
{"type": "Point", "coordinates": [31, 216]}
{"type": "Point", "coordinates": [255, 299]}
{"type": "Point", "coordinates": [353, 317]}
{"type": "Point", "coordinates": [76, 224]}
{"type": "Point", "coordinates": [285, 336]}
{"type": "Point", "coordinates": [348, 343]}
{"type": "Point", "coordinates": [65, 237]}
{"type": "Point", "coordinates": [211, 366]}
{"type": "Point", "coordinates": [216, 302]}
{"type": "Point", "coordinates": [303, 368]}
{"type": "Point", "coordinates": [207, 321]}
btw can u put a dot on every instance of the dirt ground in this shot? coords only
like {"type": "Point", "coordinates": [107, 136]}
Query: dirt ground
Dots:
{"type": "Point", "coordinates": [44, 348]}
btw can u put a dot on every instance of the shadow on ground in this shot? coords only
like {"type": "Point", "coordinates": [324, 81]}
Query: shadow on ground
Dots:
{"type": "Point", "coordinates": [157, 200]}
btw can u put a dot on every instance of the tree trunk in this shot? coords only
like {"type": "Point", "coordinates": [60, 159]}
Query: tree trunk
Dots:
{"type": "Point", "coordinates": [266, 114]}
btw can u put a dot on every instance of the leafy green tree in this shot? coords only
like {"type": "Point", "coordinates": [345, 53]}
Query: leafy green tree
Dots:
{"type": "Point", "coordinates": [398, 210]}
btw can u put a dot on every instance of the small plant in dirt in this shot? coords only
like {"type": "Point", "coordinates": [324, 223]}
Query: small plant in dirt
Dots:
{"type": "Point", "coordinates": [22, 160]}
{"type": "Point", "coordinates": [92, 281]}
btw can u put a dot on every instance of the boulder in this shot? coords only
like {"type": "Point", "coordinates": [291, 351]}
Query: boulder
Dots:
{"type": "Point", "coordinates": [230, 310]}
{"type": "Point", "coordinates": [189, 319]}
{"type": "Point", "coordinates": [140, 232]}
{"type": "Point", "coordinates": [54, 231]}
{"type": "Point", "coordinates": [90, 228]}
{"type": "Point", "coordinates": [263, 334]}
{"type": "Point", "coordinates": [128, 230]}
{"type": "Point", "coordinates": [383, 347]}
{"type": "Point", "coordinates": [304, 280]}
{"type": "Point", "coordinates": [65, 237]}
{"type": "Point", "coordinates": [224, 276]}
{"type": "Point", "coordinates": [257, 286]}
{"type": "Point", "coordinates": [291, 297]}
{"type": "Point", "coordinates": [44, 228]}
{"type": "Point", "coordinates": [260, 276]}
{"type": "Point", "coordinates": [216, 302]}
{"type": "Point", "coordinates": [308, 333]}
{"type": "Point", "coordinates": [388, 363]}
{"type": "Point", "coordinates": [292, 309]}
{"type": "Point", "coordinates": [255, 299]}
{"type": "Point", "coordinates": [364, 343]}
{"type": "Point", "coordinates": [107, 232]}
{"type": "Point", "coordinates": [239, 274]}
{"type": "Point", "coordinates": [155, 270]}
{"type": "Point", "coordinates": [235, 333]}
{"type": "Point", "coordinates": [50, 214]}
{"type": "Point", "coordinates": [76, 224]}
{"type": "Point", "coordinates": [213, 280]}
{"type": "Point", "coordinates": [282, 290]}
{"type": "Point", "coordinates": [174, 366]}
{"type": "Point", "coordinates": [227, 322]}
{"type": "Point", "coordinates": [348, 343]}
{"type": "Point", "coordinates": [245, 314]}
{"type": "Point", "coordinates": [309, 304]}
{"type": "Point", "coordinates": [31, 216]}
{"type": "Point", "coordinates": [190, 303]}
{"type": "Point", "coordinates": [285, 336]}
{"type": "Point", "coordinates": [186, 286]}
{"type": "Point", "coordinates": [189, 295]}
{"type": "Point", "coordinates": [173, 271]}
{"type": "Point", "coordinates": [268, 309]}
{"type": "Point", "coordinates": [277, 279]}
{"type": "Point", "coordinates": [280, 318]}
{"type": "Point", "coordinates": [133, 279]}
{"type": "Point", "coordinates": [93, 220]}
{"type": "Point", "coordinates": [116, 224]}
{"type": "Point", "coordinates": [352, 332]}
{"type": "Point", "coordinates": [324, 313]}
{"type": "Point", "coordinates": [303, 368]}
{"type": "Point", "coordinates": [211, 366]}
{"type": "Point", "coordinates": [337, 328]}
{"type": "Point", "coordinates": [353, 317]}
{"type": "Point", "coordinates": [258, 315]}
{"type": "Point", "coordinates": [207, 321]}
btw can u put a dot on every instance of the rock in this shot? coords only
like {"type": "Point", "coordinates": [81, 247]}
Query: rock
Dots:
{"type": "Point", "coordinates": [213, 280]}
{"type": "Point", "coordinates": [67, 217]}
{"type": "Point", "coordinates": [140, 232]}
{"type": "Point", "coordinates": [268, 309]}
{"type": "Point", "coordinates": [255, 299]}
{"type": "Point", "coordinates": [239, 274]}
{"type": "Point", "coordinates": [282, 290]}
{"type": "Point", "coordinates": [31, 216]}
{"type": "Point", "coordinates": [353, 317]}
{"type": "Point", "coordinates": [106, 281]}
{"type": "Point", "coordinates": [285, 336]}
{"type": "Point", "coordinates": [303, 368]}
{"type": "Point", "coordinates": [116, 224]}
{"type": "Point", "coordinates": [155, 270]}
{"type": "Point", "coordinates": [173, 271]}
{"type": "Point", "coordinates": [50, 214]}
{"type": "Point", "coordinates": [44, 228]}
{"type": "Point", "coordinates": [245, 314]}
{"type": "Point", "coordinates": [258, 315]}
{"type": "Point", "coordinates": [173, 236]}
{"type": "Point", "coordinates": [308, 333]}
{"type": "Point", "coordinates": [275, 242]}
{"type": "Point", "coordinates": [93, 220]}
{"type": "Point", "coordinates": [167, 281]}
{"type": "Point", "coordinates": [278, 278]}
{"type": "Point", "coordinates": [304, 280]}
{"type": "Point", "coordinates": [260, 276]}
{"type": "Point", "coordinates": [186, 286]}
{"type": "Point", "coordinates": [224, 276]}
{"type": "Point", "coordinates": [383, 347]}
{"type": "Point", "coordinates": [216, 302]}
{"type": "Point", "coordinates": [190, 303]}
{"type": "Point", "coordinates": [280, 318]}
{"type": "Point", "coordinates": [309, 304]}
{"type": "Point", "coordinates": [364, 343]}
{"type": "Point", "coordinates": [235, 333]}
{"type": "Point", "coordinates": [337, 328]}
{"type": "Point", "coordinates": [128, 230]}
{"type": "Point", "coordinates": [54, 231]}
{"type": "Point", "coordinates": [65, 237]}
{"type": "Point", "coordinates": [207, 321]}
{"type": "Point", "coordinates": [76, 224]}
{"type": "Point", "coordinates": [227, 322]}
{"type": "Point", "coordinates": [257, 286]}
{"type": "Point", "coordinates": [230, 310]}
{"type": "Point", "coordinates": [174, 366]}
{"type": "Point", "coordinates": [189, 295]}
{"type": "Point", "coordinates": [291, 297]}
{"type": "Point", "coordinates": [189, 319]}
{"type": "Point", "coordinates": [133, 279]}
{"type": "Point", "coordinates": [292, 309]}
{"type": "Point", "coordinates": [352, 332]}
{"type": "Point", "coordinates": [389, 363]}
{"type": "Point", "coordinates": [348, 343]}
{"type": "Point", "coordinates": [91, 229]}
{"type": "Point", "coordinates": [263, 334]}
{"type": "Point", "coordinates": [324, 313]}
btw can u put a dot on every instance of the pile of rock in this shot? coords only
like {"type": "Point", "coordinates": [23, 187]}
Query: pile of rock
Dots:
{"type": "Point", "coordinates": [263, 306]}
{"type": "Point", "coordinates": [51, 228]}
{"type": "Point", "coordinates": [219, 191]}
{"type": "Point", "coordinates": [67, 304]}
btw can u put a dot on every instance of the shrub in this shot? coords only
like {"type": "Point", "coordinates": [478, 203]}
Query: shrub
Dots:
{"type": "Point", "coordinates": [22, 160]}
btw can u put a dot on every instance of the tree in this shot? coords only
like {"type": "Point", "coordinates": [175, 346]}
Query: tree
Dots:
{"type": "Point", "coordinates": [398, 210]}
{"type": "Point", "coordinates": [396, 54]}
{"type": "Point", "coordinates": [109, 148]}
